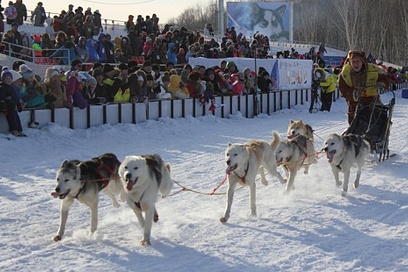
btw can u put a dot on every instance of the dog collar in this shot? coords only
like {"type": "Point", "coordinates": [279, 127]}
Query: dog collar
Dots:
{"type": "Point", "coordinates": [244, 176]}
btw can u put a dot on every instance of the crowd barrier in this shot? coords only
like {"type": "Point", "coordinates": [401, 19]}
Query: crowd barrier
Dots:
{"type": "Point", "coordinates": [134, 113]}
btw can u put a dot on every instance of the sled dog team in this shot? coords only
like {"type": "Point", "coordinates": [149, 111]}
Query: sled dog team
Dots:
{"type": "Point", "coordinates": [139, 180]}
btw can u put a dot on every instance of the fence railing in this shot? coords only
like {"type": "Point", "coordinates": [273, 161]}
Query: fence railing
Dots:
{"type": "Point", "coordinates": [31, 55]}
{"type": "Point", "coordinates": [133, 113]}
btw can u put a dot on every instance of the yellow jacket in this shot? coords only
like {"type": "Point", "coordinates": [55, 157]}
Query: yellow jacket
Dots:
{"type": "Point", "coordinates": [329, 85]}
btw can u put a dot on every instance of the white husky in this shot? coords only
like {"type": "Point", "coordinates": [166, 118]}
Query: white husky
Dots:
{"type": "Point", "coordinates": [293, 154]}
{"type": "Point", "coordinates": [296, 128]}
{"type": "Point", "coordinates": [83, 181]}
{"type": "Point", "coordinates": [342, 152]}
{"type": "Point", "coordinates": [143, 177]}
{"type": "Point", "coordinates": [244, 162]}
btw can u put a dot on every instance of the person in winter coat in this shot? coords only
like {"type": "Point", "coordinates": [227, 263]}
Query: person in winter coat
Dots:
{"type": "Point", "coordinates": [172, 53]}
{"type": "Point", "coordinates": [53, 90]}
{"type": "Point", "coordinates": [194, 86]}
{"type": "Point", "coordinates": [99, 46]}
{"type": "Point", "coordinates": [138, 87]}
{"type": "Point", "coordinates": [31, 96]}
{"type": "Point", "coordinates": [65, 54]}
{"type": "Point", "coordinates": [327, 87]}
{"type": "Point", "coordinates": [359, 82]}
{"type": "Point", "coordinates": [38, 17]}
{"type": "Point", "coordinates": [49, 29]}
{"type": "Point", "coordinates": [88, 28]}
{"type": "Point", "coordinates": [177, 87]}
{"type": "Point", "coordinates": [21, 12]}
{"type": "Point", "coordinates": [125, 48]}
{"type": "Point", "coordinates": [97, 22]}
{"type": "Point", "coordinates": [10, 105]}
{"type": "Point", "coordinates": [80, 50]}
{"type": "Point", "coordinates": [11, 13]}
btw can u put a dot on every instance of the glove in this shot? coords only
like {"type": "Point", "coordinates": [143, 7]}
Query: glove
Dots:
{"type": "Point", "coordinates": [357, 94]}
{"type": "Point", "coordinates": [380, 86]}
{"type": "Point", "coordinates": [50, 98]}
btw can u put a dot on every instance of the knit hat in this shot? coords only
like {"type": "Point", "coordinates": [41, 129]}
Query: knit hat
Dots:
{"type": "Point", "coordinates": [5, 73]}
{"type": "Point", "coordinates": [230, 64]}
{"type": "Point", "coordinates": [26, 71]}
{"type": "Point", "coordinates": [97, 72]}
{"type": "Point", "coordinates": [75, 62]}
{"type": "Point", "coordinates": [16, 75]}
{"type": "Point", "coordinates": [123, 66]}
{"type": "Point", "coordinates": [17, 64]}
{"type": "Point", "coordinates": [107, 68]}
{"type": "Point", "coordinates": [92, 80]}
{"type": "Point", "coordinates": [147, 63]}
{"type": "Point", "coordinates": [54, 72]}
{"type": "Point", "coordinates": [165, 78]}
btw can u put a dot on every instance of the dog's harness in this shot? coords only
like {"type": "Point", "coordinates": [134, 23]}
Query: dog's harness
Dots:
{"type": "Point", "coordinates": [356, 151]}
{"type": "Point", "coordinates": [244, 176]}
{"type": "Point", "coordinates": [303, 148]}
{"type": "Point", "coordinates": [98, 172]}
{"type": "Point", "coordinates": [80, 191]}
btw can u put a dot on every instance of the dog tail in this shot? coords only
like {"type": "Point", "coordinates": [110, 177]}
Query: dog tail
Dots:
{"type": "Point", "coordinates": [275, 141]}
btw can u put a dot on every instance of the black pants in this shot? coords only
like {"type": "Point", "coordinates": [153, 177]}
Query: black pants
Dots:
{"type": "Point", "coordinates": [327, 99]}
{"type": "Point", "coordinates": [13, 120]}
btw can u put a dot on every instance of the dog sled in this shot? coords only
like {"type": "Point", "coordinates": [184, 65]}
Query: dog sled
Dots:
{"type": "Point", "coordinates": [374, 123]}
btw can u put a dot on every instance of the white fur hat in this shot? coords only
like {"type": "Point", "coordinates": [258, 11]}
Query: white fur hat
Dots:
{"type": "Point", "coordinates": [26, 71]}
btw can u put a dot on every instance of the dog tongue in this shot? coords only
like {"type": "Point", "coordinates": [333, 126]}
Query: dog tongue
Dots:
{"type": "Point", "coordinates": [129, 185]}
{"type": "Point", "coordinates": [329, 156]}
{"type": "Point", "coordinates": [55, 194]}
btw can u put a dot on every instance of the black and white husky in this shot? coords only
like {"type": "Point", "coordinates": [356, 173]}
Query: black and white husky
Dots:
{"type": "Point", "coordinates": [143, 177]}
{"type": "Point", "coordinates": [269, 22]}
{"type": "Point", "coordinates": [83, 180]}
{"type": "Point", "coordinates": [342, 152]}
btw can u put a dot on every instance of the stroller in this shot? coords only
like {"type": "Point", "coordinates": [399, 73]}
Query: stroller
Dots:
{"type": "Point", "coordinates": [373, 122]}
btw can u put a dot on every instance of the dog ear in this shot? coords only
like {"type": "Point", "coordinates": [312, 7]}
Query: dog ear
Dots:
{"type": "Point", "coordinates": [281, 10]}
{"type": "Point", "coordinates": [65, 164]}
{"type": "Point", "coordinates": [292, 121]}
{"type": "Point", "coordinates": [229, 144]}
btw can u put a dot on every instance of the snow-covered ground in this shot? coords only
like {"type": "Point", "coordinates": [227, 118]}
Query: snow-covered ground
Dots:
{"type": "Point", "coordinates": [312, 229]}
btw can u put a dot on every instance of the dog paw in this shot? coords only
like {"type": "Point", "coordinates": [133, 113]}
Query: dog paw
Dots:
{"type": "Point", "coordinates": [305, 172]}
{"type": "Point", "coordinates": [223, 220]}
{"type": "Point", "coordinates": [145, 242]}
{"type": "Point", "coordinates": [115, 204]}
{"type": "Point", "coordinates": [57, 238]}
{"type": "Point", "coordinates": [338, 184]}
{"type": "Point", "coordinates": [343, 193]}
{"type": "Point", "coordinates": [264, 182]}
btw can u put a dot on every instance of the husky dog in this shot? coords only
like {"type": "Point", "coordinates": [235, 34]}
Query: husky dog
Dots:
{"type": "Point", "coordinates": [296, 128]}
{"type": "Point", "coordinates": [293, 154]}
{"type": "Point", "coordinates": [269, 22]}
{"type": "Point", "coordinates": [143, 177]}
{"type": "Point", "coordinates": [342, 152]}
{"type": "Point", "coordinates": [83, 181]}
{"type": "Point", "coordinates": [244, 162]}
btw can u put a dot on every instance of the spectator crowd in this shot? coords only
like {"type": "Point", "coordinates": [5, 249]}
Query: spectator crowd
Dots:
{"type": "Point", "coordinates": [147, 63]}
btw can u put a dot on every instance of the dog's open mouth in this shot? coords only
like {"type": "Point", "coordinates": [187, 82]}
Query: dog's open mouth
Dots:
{"type": "Point", "coordinates": [290, 137]}
{"type": "Point", "coordinates": [60, 195]}
{"type": "Point", "coordinates": [279, 162]}
{"type": "Point", "coordinates": [231, 168]}
{"type": "Point", "coordinates": [130, 183]}
{"type": "Point", "coordinates": [330, 155]}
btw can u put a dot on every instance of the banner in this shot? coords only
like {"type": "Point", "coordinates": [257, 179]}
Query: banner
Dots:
{"type": "Point", "coordinates": [271, 19]}
{"type": "Point", "coordinates": [289, 74]}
